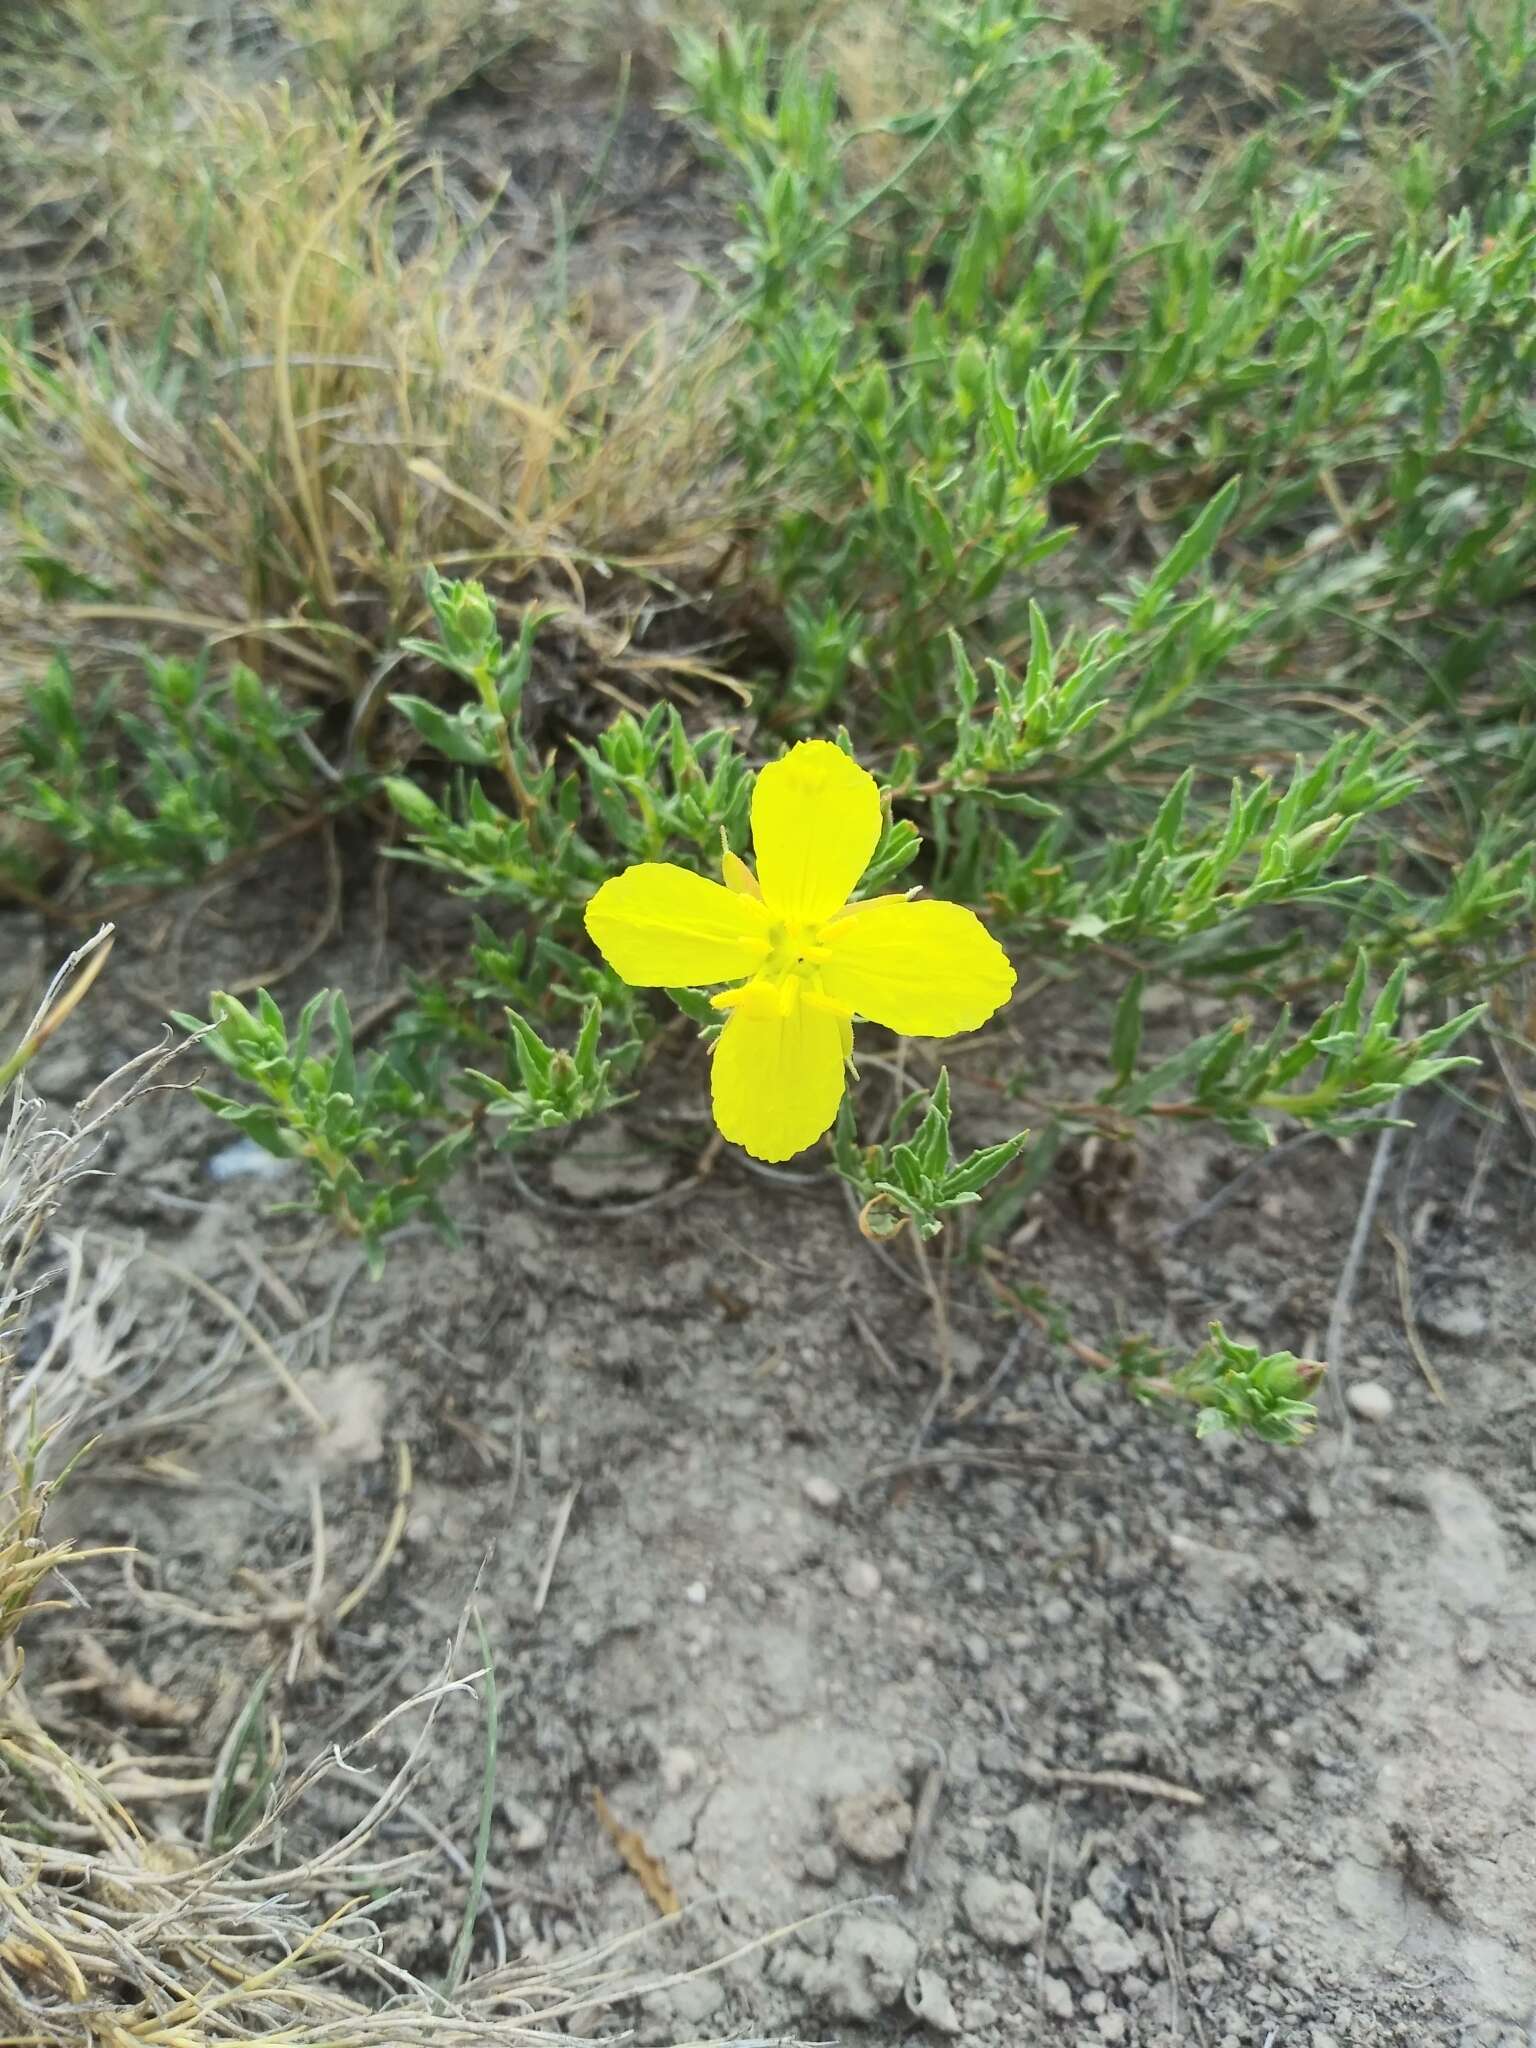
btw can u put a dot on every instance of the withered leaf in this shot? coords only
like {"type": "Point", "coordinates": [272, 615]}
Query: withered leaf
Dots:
{"type": "Point", "coordinates": [124, 1694]}
{"type": "Point", "coordinates": [649, 1869]}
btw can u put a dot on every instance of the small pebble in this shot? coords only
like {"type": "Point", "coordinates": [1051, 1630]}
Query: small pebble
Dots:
{"type": "Point", "coordinates": [820, 1864]}
{"type": "Point", "coordinates": [1031, 1826]}
{"type": "Point", "coordinates": [529, 1831]}
{"type": "Point", "coordinates": [243, 1160]}
{"type": "Point", "coordinates": [822, 1493]}
{"type": "Point", "coordinates": [1459, 1311]}
{"type": "Point", "coordinates": [861, 1579]}
{"type": "Point", "coordinates": [928, 2000]}
{"type": "Point", "coordinates": [873, 1826]}
{"type": "Point", "coordinates": [979, 1651]}
{"type": "Point", "coordinates": [697, 1593]}
{"type": "Point", "coordinates": [1095, 1942]}
{"type": "Point", "coordinates": [1474, 1644]}
{"type": "Point", "coordinates": [1001, 1911]}
{"type": "Point", "coordinates": [679, 1768]}
{"type": "Point", "coordinates": [1318, 1506]}
{"type": "Point", "coordinates": [1056, 1997]}
{"type": "Point", "coordinates": [1335, 1654]}
{"type": "Point", "coordinates": [1226, 1931]}
{"type": "Point", "coordinates": [1057, 1612]}
{"type": "Point", "coordinates": [1370, 1400]}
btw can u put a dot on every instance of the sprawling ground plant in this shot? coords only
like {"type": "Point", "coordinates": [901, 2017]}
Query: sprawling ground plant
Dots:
{"type": "Point", "coordinates": [1143, 500]}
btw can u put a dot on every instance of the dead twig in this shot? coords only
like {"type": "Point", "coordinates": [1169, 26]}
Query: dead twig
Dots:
{"type": "Point", "coordinates": [870, 1338]}
{"type": "Point", "coordinates": [1238, 1182]}
{"type": "Point", "coordinates": [1045, 1910]}
{"type": "Point", "coordinates": [1344, 1293]}
{"type": "Point", "coordinates": [557, 1537]}
{"type": "Point", "coordinates": [974, 1403]}
{"type": "Point", "coordinates": [1410, 1321]}
{"type": "Point", "coordinates": [68, 989]}
{"type": "Point", "coordinates": [1512, 1083]}
{"type": "Point", "coordinates": [273, 1282]}
{"type": "Point", "coordinates": [349, 1602]}
{"type": "Point", "coordinates": [216, 1298]}
{"type": "Point", "coordinates": [1135, 1782]}
{"type": "Point", "coordinates": [312, 1599]}
{"type": "Point", "coordinates": [923, 1818]}
{"type": "Point", "coordinates": [940, 1309]}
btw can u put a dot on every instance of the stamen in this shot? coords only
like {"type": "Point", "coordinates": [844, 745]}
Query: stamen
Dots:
{"type": "Point", "coordinates": [815, 1000]}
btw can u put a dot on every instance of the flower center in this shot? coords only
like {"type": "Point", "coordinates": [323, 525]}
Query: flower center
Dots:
{"type": "Point", "coordinates": [789, 976]}
{"type": "Point", "coordinates": [793, 949]}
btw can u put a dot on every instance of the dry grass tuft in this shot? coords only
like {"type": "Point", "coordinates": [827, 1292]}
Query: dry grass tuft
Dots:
{"type": "Point", "coordinates": [309, 379]}
{"type": "Point", "coordinates": [1243, 57]}
{"type": "Point", "coordinates": [27, 1563]}
{"type": "Point", "coordinates": [408, 53]}
{"type": "Point", "coordinates": [113, 1939]}
{"type": "Point", "coordinates": [38, 1161]}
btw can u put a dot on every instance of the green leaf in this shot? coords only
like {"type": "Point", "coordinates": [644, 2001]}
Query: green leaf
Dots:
{"type": "Point", "coordinates": [460, 738]}
{"type": "Point", "coordinates": [1125, 1040]}
{"type": "Point", "coordinates": [1192, 548]}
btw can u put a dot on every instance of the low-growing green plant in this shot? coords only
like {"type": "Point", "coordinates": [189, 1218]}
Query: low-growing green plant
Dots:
{"type": "Point", "coordinates": [1231, 1388]}
{"type": "Point", "coordinates": [916, 1180]}
{"type": "Point", "coordinates": [156, 788]}
{"type": "Point", "coordinates": [1149, 512]}
{"type": "Point", "coordinates": [381, 1135]}
{"type": "Point", "coordinates": [1353, 1062]}
{"type": "Point", "coordinates": [1091, 483]}
{"type": "Point", "coordinates": [359, 1132]}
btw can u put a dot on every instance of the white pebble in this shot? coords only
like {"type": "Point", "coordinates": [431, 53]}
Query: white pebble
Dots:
{"type": "Point", "coordinates": [245, 1159]}
{"type": "Point", "coordinates": [861, 1579]}
{"type": "Point", "coordinates": [822, 1493]}
{"type": "Point", "coordinates": [1474, 1643]}
{"type": "Point", "coordinates": [529, 1831]}
{"type": "Point", "coordinates": [679, 1768]}
{"type": "Point", "coordinates": [928, 2000]}
{"type": "Point", "coordinates": [1370, 1400]}
{"type": "Point", "coordinates": [1000, 1910]}
{"type": "Point", "coordinates": [697, 1593]}
{"type": "Point", "coordinates": [1225, 1933]}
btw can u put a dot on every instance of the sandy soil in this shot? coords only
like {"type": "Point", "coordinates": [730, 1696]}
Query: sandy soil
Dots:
{"type": "Point", "coordinates": [1055, 1725]}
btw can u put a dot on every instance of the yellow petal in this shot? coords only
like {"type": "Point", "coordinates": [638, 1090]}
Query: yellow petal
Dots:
{"type": "Point", "coordinates": [777, 1076]}
{"type": "Point", "coordinates": [924, 969]}
{"type": "Point", "coordinates": [815, 823]}
{"type": "Point", "coordinates": [661, 926]}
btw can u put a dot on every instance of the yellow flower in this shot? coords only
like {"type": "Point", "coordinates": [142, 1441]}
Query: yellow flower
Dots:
{"type": "Point", "coordinates": [807, 959]}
